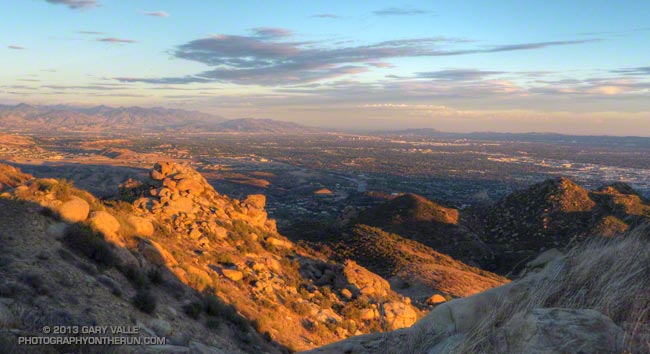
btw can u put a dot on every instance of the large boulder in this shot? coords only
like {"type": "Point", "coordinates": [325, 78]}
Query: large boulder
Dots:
{"type": "Point", "coordinates": [256, 200]}
{"type": "Point", "coordinates": [104, 222]}
{"type": "Point", "coordinates": [155, 254]}
{"type": "Point", "coordinates": [74, 210]}
{"type": "Point", "coordinates": [190, 185]}
{"type": "Point", "coordinates": [399, 315]}
{"type": "Point", "coordinates": [141, 226]}
{"type": "Point", "coordinates": [558, 330]}
{"type": "Point", "coordinates": [232, 274]}
{"type": "Point", "coordinates": [180, 205]}
{"type": "Point", "coordinates": [362, 281]}
{"type": "Point", "coordinates": [162, 170]}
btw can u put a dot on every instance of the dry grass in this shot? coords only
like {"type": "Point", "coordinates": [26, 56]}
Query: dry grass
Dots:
{"type": "Point", "coordinates": [610, 275]}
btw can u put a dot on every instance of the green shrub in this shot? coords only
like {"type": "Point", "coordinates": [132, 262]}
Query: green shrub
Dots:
{"type": "Point", "coordinates": [193, 309]}
{"type": "Point", "coordinates": [214, 306]}
{"type": "Point", "coordinates": [144, 301]}
{"type": "Point", "coordinates": [155, 276]}
{"type": "Point", "coordinates": [91, 244]}
{"type": "Point", "coordinates": [34, 281]}
{"type": "Point", "coordinates": [135, 276]}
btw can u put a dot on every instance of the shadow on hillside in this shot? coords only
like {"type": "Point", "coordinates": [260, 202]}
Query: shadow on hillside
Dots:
{"type": "Point", "coordinates": [99, 179]}
{"type": "Point", "coordinates": [88, 250]}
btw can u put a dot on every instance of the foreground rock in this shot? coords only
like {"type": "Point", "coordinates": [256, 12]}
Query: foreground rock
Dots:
{"type": "Point", "coordinates": [555, 330]}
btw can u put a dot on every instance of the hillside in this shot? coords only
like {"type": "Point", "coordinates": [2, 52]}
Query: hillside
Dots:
{"type": "Point", "coordinates": [417, 218]}
{"type": "Point", "coordinates": [177, 257]}
{"type": "Point", "coordinates": [413, 269]}
{"type": "Point", "coordinates": [554, 214]}
{"type": "Point", "coordinates": [16, 140]}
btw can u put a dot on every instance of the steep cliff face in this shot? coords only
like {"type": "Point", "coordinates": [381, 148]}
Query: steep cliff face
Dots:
{"type": "Point", "coordinates": [227, 253]}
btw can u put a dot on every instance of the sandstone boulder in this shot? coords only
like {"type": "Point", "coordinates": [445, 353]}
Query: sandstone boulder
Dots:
{"type": "Point", "coordinates": [179, 205]}
{"type": "Point", "coordinates": [435, 299]}
{"type": "Point", "coordinates": [279, 242]}
{"type": "Point", "coordinates": [256, 200]}
{"type": "Point", "coordinates": [399, 315]}
{"type": "Point", "coordinates": [190, 185]}
{"type": "Point", "coordinates": [232, 274]}
{"type": "Point", "coordinates": [104, 222]}
{"type": "Point", "coordinates": [74, 210]}
{"type": "Point", "coordinates": [162, 169]}
{"type": "Point", "coordinates": [141, 226]}
{"type": "Point", "coordinates": [156, 254]}
{"type": "Point", "coordinates": [363, 281]}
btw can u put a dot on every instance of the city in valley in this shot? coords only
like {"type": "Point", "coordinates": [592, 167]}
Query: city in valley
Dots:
{"type": "Point", "coordinates": [324, 174]}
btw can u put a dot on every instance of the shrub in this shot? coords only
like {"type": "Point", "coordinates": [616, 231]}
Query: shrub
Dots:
{"type": "Point", "coordinates": [49, 213]}
{"type": "Point", "coordinates": [34, 281]}
{"type": "Point", "coordinates": [155, 276]}
{"type": "Point", "coordinates": [212, 323]}
{"type": "Point", "coordinates": [193, 309]}
{"type": "Point", "coordinates": [214, 306]}
{"type": "Point", "coordinates": [91, 244]}
{"type": "Point", "coordinates": [135, 276]}
{"type": "Point", "coordinates": [144, 301]}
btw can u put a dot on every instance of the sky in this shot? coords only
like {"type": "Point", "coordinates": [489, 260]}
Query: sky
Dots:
{"type": "Point", "coordinates": [565, 66]}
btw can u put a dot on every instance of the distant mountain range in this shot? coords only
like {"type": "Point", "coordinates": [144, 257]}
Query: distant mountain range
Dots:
{"type": "Point", "coordinates": [99, 119]}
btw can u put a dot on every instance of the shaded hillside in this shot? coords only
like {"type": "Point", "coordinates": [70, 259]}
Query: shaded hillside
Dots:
{"type": "Point", "coordinates": [176, 230]}
{"type": "Point", "coordinates": [412, 268]}
{"type": "Point", "coordinates": [417, 218]}
{"type": "Point", "coordinates": [555, 213]}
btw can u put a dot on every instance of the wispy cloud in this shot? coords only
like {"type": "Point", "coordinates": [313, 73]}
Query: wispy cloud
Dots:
{"type": "Point", "coordinates": [643, 70]}
{"type": "Point", "coordinates": [76, 4]}
{"type": "Point", "coordinates": [458, 74]}
{"type": "Point", "coordinates": [155, 13]}
{"type": "Point", "coordinates": [90, 32]}
{"type": "Point", "coordinates": [272, 32]}
{"type": "Point", "coordinates": [267, 58]}
{"type": "Point", "coordinates": [332, 16]}
{"type": "Point", "coordinates": [16, 47]}
{"type": "Point", "coordinates": [401, 11]}
{"type": "Point", "coordinates": [116, 40]}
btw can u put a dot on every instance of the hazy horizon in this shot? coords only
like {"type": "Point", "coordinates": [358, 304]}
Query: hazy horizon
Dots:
{"type": "Point", "coordinates": [477, 66]}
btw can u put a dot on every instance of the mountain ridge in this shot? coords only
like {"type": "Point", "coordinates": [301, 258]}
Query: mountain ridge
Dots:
{"type": "Point", "coordinates": [133, 119]}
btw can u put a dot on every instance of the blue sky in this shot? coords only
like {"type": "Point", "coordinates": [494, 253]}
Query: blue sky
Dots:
{"type": "Point", "coordinates": [563, 66]}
